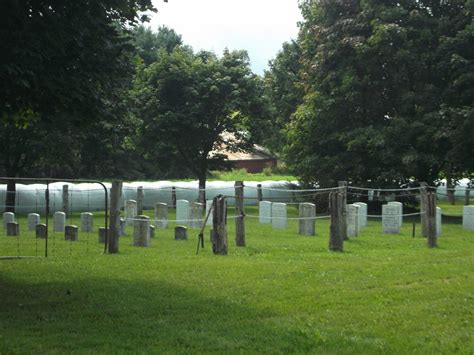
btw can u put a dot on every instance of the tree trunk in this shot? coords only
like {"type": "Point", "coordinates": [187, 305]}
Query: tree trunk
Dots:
{"type": "Point", "coordinates": [450, 190]}
{"type": "Point", "coordinates": [202, 189]}
{"type": "Point", "coordinates": [10, 198]}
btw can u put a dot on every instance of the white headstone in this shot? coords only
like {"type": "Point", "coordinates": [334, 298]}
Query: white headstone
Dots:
{"type": "Point", "coordinates": [182, 211]}
{"type": "Point", "coordinates": [208, 207]}
{"type": "Point", "coordinates": [400, 211]}
{"type": "Point", "coordinates": [7, 218]}
{"type": "Point", "coordinates": [279, 215]}
{"type": "Point", "coordinates": [130, 211]}
{"type": "Point", "coordinates": [352, 220]}
{"type": "Point", "coordinates": [438, 221]}
{"type": "Point", "coordinates": [362, 214]}
{"type": "Point", "coordinates": [265, 212]}
{"type": "Point", "coordinates": [307, 223]}
{"type": "Point", "coordinates": [391, 219]}
{"type": "Point", "coordinates": [59, 221]}
{"type": "Point", "coordinates": [468, 218]}
{"type": "Point", "coordinates": [141, 231]}
{"type": "Point", "coordinates": [87, 222]}
{"type": "Point", "coordinates": [371, 195]}
{"type": "Point", "coordinates": [161, 215]}
{"type": "Point", "coordinates": [196, 215]}
{"type": "Point", "coordinates": [33, 220]}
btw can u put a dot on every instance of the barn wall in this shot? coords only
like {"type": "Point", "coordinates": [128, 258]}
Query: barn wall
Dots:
{"type": "Point", "coordinates": [254, 166]}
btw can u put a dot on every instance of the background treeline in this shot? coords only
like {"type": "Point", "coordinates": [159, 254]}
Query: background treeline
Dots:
{"type": "Point", "coordinates": [374, 92]}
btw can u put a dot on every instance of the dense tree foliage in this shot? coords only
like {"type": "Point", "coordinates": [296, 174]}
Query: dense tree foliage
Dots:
{"type": "Point", "coordinates": [388, 91]}
{"type": "Point", "coordinates": [283, 89]}
{"type": "Point", "coordinates": [192, 105]}
{"type": "Point", "coordinates": [148, 42]}
{"type": "Point", "coordinates": [62, 67]}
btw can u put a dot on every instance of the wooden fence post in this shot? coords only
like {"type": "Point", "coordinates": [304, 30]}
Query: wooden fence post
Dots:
{"type": "Point", "coordinates": [140, 197]}
{"type": "Point", "coordinates": [66, 199]}
{"type": "Point", "coordinates": [259, 193]}
{"type": "Point", "coordinates": [431, 213]}
{"type": "Point", "coordinates": [114, 218]}
{"type": "Point", "coordinates": [336, 204]}
{"type": "Point", "coordinates": [343, 222]}
{"type": "Point", "coordinates": [467, 193]}
{"type": "Point", "coordinates": [423, 209]}
{"type": "Point", "coordinates": [219, 223]}
{"type": "Point", "coordinates": [173, 197]}
{"type": "Point", "coordinates": [240, 213]}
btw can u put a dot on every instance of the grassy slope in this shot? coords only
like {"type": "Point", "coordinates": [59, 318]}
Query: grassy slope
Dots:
{"type": "Point", "coordinates": [282, 293]}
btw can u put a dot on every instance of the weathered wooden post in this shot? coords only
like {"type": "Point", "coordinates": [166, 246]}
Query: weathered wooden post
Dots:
{"type": "Point", "coordinates": [65, 208]}
{"type": "Point", "coordinates": [259, 192]}
{"type": "Point", "coordinates": [173, 197]}
{"type": "Point", "coordinates": [431, 213]}
{"type": "Point", "coordinates": [240, 213]}
{"type": "Point", "coordinates": [423, 208]}
{"type": "Point", "coordinates": [114, 219]}
{"type": "Point", "coordinates": [202, 195]}
{"type": "Point", "coordinates": [219, 222]}
{"type": "Point", "coordinates": [343, 191]}
{"type": "Point", "coordinates": [139, 200]}
{"type": "Point", "coordinates": [336, 205]}
{"type": "Point", "coordinates": [467, 200]}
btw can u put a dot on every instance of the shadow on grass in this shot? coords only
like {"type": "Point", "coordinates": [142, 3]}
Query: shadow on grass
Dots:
{"type": "Point", "coordinates": [117, 315]}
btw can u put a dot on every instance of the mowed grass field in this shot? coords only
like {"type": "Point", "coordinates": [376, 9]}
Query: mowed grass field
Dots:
{"type": "Point", "coordinates": [283, 293]}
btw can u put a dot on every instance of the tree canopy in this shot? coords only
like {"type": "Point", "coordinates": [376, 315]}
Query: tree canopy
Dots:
{"type": "Point", "coordinates": [191, 105]}
{"type": "Point", "coordinates": [387, 92]}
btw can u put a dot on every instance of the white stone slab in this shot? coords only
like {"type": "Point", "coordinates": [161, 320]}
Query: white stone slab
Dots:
{"type": "Point", "coordinates": [400, 211]}
{"type": "Point", "coordinates": [196, 215]}
{"type": "Point", "coordinates": [87, 222]}
{"type": "Point", "coordinates": [362, 214]}
{"type": "Point", "coordinates": [141, 231]}
{"type": "Point", "coordinates": [7, 218]}
{"type": "Point", "coordinates": [130, 211]}
{"type": "Point", "coordinates": [279, 215]}
{"type": "Point", "coordinates": [161, 215]}
{"type": "Point", "coordinates": [182, 212]}
{"type": "Point", "coordinates": [208, 207]}
{"type": "Point", "coordinates": [468, 218]}
{"type": "Point", "coordinates": [307, 223]}
{"type": "Point", "coordinates": [59, 221]}
{"type": "Point", "coordinates": [352, 220]}
{"type": "Point", "coordinates": [371, 195]}
{"type": "Point", "coordinates": [33, 220]}
{"type": "Point", "coordinates": [265, 212]}
{"type": "Point", "coordinates": [391, 219]}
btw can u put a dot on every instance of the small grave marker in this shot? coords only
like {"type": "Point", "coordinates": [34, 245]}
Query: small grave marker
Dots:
{"type": "Point", "coordinates": [265, 212]}
{"type": "Point", "coordinates": [33, 220]}
{"type": "Point", "coordinates": [307, 225]}
{"type": "Point", "coordinates": [279, 215]}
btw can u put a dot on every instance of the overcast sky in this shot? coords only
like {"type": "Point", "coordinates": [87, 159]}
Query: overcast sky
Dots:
{"type": "Point", "coordinates": [259, 26]}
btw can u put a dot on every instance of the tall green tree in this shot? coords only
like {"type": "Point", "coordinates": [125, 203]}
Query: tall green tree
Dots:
{"type": "Point", "coordinates": [193, 105]}
{"type": "Point", "coordinates": [283, 88]}
{"type": "Point", "coordinates": [148, 42]}
{"type": "Point", "coordinates": [385, 97]}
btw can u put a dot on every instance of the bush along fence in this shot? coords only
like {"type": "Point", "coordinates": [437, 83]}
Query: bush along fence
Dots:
{"type": "Point", "coordinates": [347, 207]}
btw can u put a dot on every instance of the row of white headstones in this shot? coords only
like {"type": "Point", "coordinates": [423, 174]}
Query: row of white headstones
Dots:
{"type": "Point", "coordinates": [274, 213]}
{"type": "Point", "coordinates": [356, 217]}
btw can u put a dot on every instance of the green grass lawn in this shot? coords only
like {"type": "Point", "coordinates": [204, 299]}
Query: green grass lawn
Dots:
{"type": "Point", "coordinates": [243, 175]}
{"type": "Point", "coordinates": [453, 210]}
{"type": "Point", "coordinates": [282, 293]}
